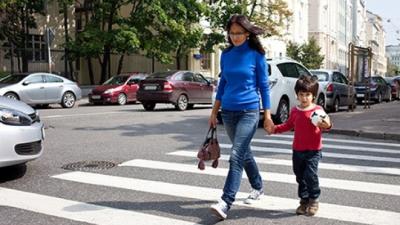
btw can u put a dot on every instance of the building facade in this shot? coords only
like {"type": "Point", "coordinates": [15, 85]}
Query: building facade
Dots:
{"type": "Point", "coordinates": [330, 24]}
{"type": "Point", "coordinates": [375, 37]}
{"type": "Point", "coordinates": [393, 55]}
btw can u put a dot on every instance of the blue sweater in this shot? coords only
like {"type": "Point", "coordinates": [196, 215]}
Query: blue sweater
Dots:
{"type": "Point", "coordinates": [244, 75]}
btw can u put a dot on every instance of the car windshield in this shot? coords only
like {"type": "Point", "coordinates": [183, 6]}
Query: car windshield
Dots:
{"type": "Point", "coordinates": [116, 80]}
{"type": "Point", "coordinates": [322, 76]}
{"type": "Point", "coordinates": [12, 79]}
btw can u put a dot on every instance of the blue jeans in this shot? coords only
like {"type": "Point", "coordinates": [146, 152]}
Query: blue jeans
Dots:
{"type": "Point", "coordinates": [305, 167]}
{"type": "Point", "coordinates": [240, 127]}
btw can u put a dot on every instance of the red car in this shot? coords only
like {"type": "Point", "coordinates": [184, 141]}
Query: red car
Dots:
{"type": "Point", "coordinates": [118, 89]}
{"type": "Point", "coordinates": [181, 88]}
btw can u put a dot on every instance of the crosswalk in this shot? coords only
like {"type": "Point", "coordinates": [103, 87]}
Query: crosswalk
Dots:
{"type": "Point", "coordinates": [364, 158]}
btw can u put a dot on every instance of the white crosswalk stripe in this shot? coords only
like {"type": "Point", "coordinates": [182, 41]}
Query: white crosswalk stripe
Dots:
{"type": "Point", "coordinates": [80, 211]}
{"type": "Point", "coordinates": [263, 150]}
{"type": "Point", "coordinates": [344, 213]}
{"type": "Point", "coordinates": [276, 177]}
{"type": "Point", "coordinates": [321, 165]}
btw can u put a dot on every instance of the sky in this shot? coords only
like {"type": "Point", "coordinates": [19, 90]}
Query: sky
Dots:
{"type": "Point", "coordinates": [389, 11]}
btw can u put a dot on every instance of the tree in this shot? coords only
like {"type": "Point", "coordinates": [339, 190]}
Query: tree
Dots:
{"type": "Point", "coordinates": [15, 21]}
{"type": "Point", "coordinates": [271, 15]}
{"type": "Point", "coordinates": [310, 56]}
{"type": "Point", "coordinates": [308, 53]}
{"type": "Point", "coordinates": [154, 28]}
{"type": "Point", "coordinates": [293, 50]}
{"type": "Point", "coordinates": [392, 69]}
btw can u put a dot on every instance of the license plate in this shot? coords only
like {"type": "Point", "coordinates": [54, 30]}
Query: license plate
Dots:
{"type": "Point", "coordinates": [360, 95]}
{"type": "Point", "coordinates": [96, 96]}
{"type": "Point", "coordinates": [150, 88]}
{"type": "Point", "coordinates": [43, 134]}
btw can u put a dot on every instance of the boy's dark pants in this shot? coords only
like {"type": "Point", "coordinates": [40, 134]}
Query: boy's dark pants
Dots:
{"type": "Point", "coordinates": [305, 167]}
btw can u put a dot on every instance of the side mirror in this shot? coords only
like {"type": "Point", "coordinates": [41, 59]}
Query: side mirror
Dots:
{"type": "Point", "coordinates": [25, 83]}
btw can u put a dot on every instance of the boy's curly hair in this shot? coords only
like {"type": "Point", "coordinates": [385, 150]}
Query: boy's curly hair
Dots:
{"type": "Point", "coordinates": [307, 84]}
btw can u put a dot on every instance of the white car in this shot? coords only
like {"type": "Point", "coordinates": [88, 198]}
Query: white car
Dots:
{"type": "Point", "coordinates": [21, 133]}
{"type": "Point", "coordinates": [283, 74]}
{"type": "Point", "coordinates": [40, 89]}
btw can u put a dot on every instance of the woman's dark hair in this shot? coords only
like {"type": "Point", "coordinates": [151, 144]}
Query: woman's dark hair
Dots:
{"type": "Point", "coordinates": [307, 84]}
{"type": "Point", "coordinates": [242, 20]}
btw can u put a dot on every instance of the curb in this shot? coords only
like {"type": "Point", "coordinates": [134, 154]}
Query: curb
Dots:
{"type": "Point", "coordinates": [360, 133]}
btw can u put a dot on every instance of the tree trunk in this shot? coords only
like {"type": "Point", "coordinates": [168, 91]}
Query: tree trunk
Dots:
{"type": "Point", "coordinates": [120, 64]}
{"type": "Point", "coordinates": [26, 37]}
{"type": "Point", "coordinates": [91, 77]}
{"type": "Point", "coordinates": [104, 64]}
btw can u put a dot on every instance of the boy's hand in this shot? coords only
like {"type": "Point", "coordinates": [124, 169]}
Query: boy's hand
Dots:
{"type": "Point", "coordinates": [325, 123]}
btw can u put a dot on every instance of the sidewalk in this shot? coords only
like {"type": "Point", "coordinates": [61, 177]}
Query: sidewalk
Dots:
{"type": "Point", "coordinates": [381, 121]}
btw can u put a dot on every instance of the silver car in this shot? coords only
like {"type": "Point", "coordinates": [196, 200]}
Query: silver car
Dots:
{"type": "Point", "coordinates": [40, 89]}
{"type": "Point", "coordinates": [21, 133]}
{"type": "Point", "coordinates": [336, 89]}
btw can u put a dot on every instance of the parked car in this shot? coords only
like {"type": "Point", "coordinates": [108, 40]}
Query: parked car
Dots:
{"type": "Point", "coordinates": [395, 86]}
{"type": "Point", "coordinates": [119, 89]}
{"type": "Point", "coordinates": [379, 89]}
{"type": "Point", "coordinates": [180, 88]}
{"type": "Point", "coordinates": [283, 74]}
{"type": "Point", "coordinates": [40, 89]}
{"type": "Point", "coordinates": [21, 131]}
{"type": "Point", "coordinates": [336, 89]}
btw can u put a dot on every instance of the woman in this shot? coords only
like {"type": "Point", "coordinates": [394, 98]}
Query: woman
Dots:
{"type": "Point", "coordinates": [244, 77]}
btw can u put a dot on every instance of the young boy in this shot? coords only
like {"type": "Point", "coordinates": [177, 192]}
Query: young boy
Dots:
{"type": "Point", "coordinates": [307, 144]}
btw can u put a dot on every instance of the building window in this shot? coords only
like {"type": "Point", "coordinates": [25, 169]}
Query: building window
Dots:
{"type": "Point", "coordinates": [206, 61]}
{"type": "Point", "coordinates": [37, 48]}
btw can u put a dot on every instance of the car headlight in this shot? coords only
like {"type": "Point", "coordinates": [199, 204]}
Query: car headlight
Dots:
{"type": "Point", "coordinates": [109, 91]}
{"type": "Point", "coordinates": [15, 118]}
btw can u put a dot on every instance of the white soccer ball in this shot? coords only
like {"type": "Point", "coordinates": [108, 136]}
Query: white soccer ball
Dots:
{"type": "Point", "coordinates": [317, 116]}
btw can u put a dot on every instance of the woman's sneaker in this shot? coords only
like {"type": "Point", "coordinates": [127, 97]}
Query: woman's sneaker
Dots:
{"type": "Point", "coordinates": [312, 208]}
{"type": "Point", "coordinates": [253, 196]}
{"type": "Point", "coordinates": [302, 209]}
{"type": "Point", "coordinates": [220, 209]}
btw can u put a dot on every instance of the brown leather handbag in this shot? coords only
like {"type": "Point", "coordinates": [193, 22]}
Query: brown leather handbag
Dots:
{"type": "Point", "coordinates": [209, 150]}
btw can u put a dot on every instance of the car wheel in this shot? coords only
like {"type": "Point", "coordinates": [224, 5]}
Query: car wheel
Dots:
{"type": "Point", "coordinates": [122, 99]}
{"type": "Point", "coordinates": [335, 106]}
{"type": "Point", "coordinates": [182, 103]}
{"type": "Point", "coordinates": [282, 113]}
{"type": "Point", "coordinates": [68, 100]}
{"type": "Point", "coordinates": [321, 101]}
{"type": "Point", "coordinates": [148, 106]}
{"type": "Point", "coordinates": [11, 95]}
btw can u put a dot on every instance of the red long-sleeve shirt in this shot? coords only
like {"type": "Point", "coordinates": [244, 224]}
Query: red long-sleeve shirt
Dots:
{"type": "Point", "coordinates": [307, 137]}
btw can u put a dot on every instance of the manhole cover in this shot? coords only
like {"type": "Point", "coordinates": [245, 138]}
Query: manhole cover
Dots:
{"type": "Point", "coordinates": [89, 165]}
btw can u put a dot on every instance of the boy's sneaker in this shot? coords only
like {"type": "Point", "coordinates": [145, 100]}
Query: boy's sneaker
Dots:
{"type": "Point", "coordinates": [254, 195]}
{"type": "Point", "coordinates": [312, 208]}
{"type": "Point", "coordinates": [302, 209]}
{"type": "Point", "coordinates": [220, 209]}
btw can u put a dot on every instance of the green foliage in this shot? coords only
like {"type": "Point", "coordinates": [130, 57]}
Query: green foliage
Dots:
{"type": "Point", "coordinates": [392, 69]}
{"type": "Point", "coordinates": [269, 15]}
{"type": "Point", "coordinates": [308, 53]}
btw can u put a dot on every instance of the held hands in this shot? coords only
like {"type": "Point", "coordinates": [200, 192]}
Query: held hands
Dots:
{"type": "Point", "coordinates": [269, 125]}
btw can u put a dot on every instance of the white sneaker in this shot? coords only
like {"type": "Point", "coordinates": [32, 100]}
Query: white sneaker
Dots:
{"type": "Point", "coordinates": [220, 209]}
{"type": "Point", "coordinates": [254, 195]}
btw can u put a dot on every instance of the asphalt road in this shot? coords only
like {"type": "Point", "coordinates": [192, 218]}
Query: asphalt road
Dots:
{"type": "Point", "coordinates": [153, 176]}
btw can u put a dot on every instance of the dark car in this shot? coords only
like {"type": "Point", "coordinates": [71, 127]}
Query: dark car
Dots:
{"type": "Point", "coordinates": [379, 89]}
{"type": "Point", "coordinates": [119, 89]}
{"type": "Point", "coordinates": [395, 86]}
{"type": "Point", "coordinates": [180, 88]}
{"type": "Point", "coordinates": [336, 89]}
